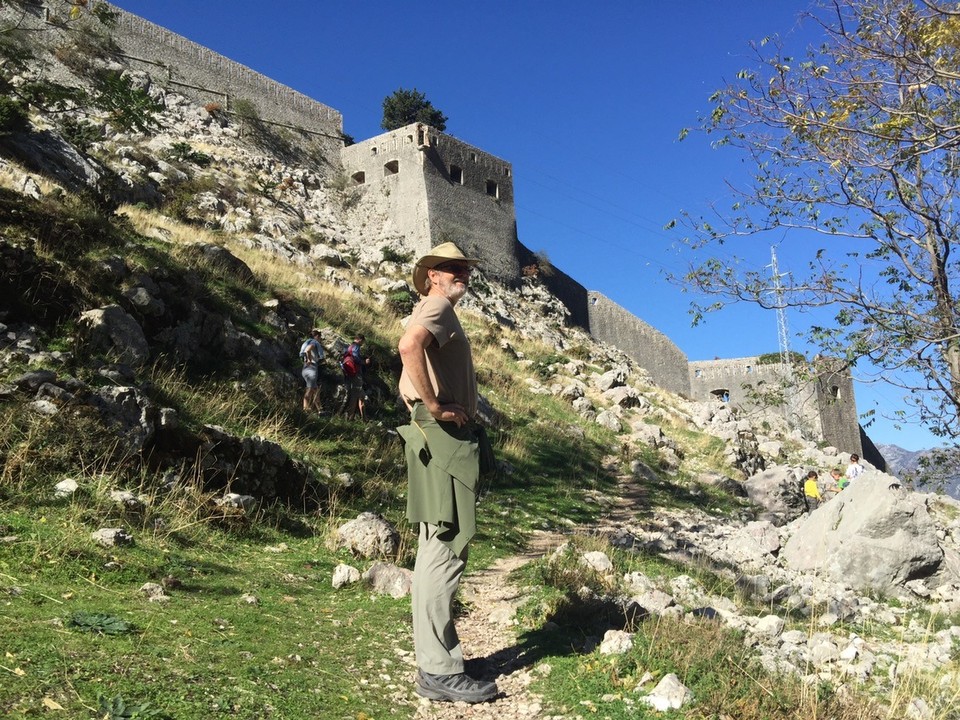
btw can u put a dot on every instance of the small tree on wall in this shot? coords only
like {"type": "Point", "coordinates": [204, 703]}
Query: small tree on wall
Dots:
{"type": "Point", "coordinates": [409, 106]}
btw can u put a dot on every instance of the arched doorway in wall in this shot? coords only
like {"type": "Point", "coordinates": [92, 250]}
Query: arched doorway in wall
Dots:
{"type": "Point", "coordinates": [721, 394]}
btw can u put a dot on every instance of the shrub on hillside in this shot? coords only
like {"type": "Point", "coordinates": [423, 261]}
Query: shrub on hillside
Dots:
{"type": "Point", "coordinates": [13, 116]}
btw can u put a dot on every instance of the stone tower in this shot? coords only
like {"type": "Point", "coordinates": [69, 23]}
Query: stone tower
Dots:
{"type": "Point", "coordinates": [434, 188]}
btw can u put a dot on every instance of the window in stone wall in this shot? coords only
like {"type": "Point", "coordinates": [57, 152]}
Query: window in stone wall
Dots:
{"type": "Point", "coordinates": [359, 178]}
{"type": "Point", "coordinates": [473, 157]}
{"type": "Point", "coordinates": [835, 392]}
{"type": "Point", "coordinates": [391, 168]}
{"type": "Point", "coordinates": [749, 369]}
{"type": "Point", "coordinates": [374, 149]}
{"type": "Point", "coordinates": [409, 138]}
{"type": "Point", "coordinates": [506, 171]}
{"type": "Point", "coordinates": [698, 373]}
{"type": "Point", "coordinates": [493, 190]}
{"type": "Point", "coordinates": [721, 394]}
{"type": "Point", "coordinates": [456, 174]}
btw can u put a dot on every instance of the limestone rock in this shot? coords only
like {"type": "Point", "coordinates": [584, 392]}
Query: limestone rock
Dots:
{"type": "Point", "coordinates": [247, 503]}
{"type": "Point", "coordinates": [389, 579]}
{"type": "Point", "coordinates": [616, 642]}
{"type": "Point", "coordinates": [887, 537]}
{"type": "Point", "coordinates": [113, 332]}
{"type": "Point", "coordinates": [344, 575]}
{"type": "Point", "coordinates": [65, 488]}
{"type": "Point", "coordinates": [598, 561]}
{"type": "Point", "coordinates": [669, 694]}
{"type": "Point", "coordinates": [369, 535]}
{"type": "Point", "coordinates": [112, 537]}
{"type": "Point", "coordinates": [777, 491]}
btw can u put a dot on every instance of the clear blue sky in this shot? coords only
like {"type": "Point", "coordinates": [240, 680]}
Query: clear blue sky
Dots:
{"type": "Point", "coordinates": [586, 100]}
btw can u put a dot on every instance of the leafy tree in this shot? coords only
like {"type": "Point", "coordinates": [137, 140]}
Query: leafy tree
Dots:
{"type": "Point", "coordinates": [856, 142]}
{"type": "Point", "coordinates": [13, 116]}
{"type": "Point", "coordinates": [129, 108]}
{"type": "Point", "coordinates": [409, 106]}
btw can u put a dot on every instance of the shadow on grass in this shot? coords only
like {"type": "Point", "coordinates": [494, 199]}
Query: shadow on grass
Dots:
{"type": "Point", "coordinates": [664, 493]}
{"type": "Point", "coordinates": [547, 485]}
{"type": "Point", "coordinates": [575, 628]}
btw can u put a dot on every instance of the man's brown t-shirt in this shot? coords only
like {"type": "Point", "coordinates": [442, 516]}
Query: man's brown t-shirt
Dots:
{"type": "Point", "coordinates": [449, 358]}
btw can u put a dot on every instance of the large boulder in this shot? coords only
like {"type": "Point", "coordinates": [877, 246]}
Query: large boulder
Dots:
{"type": "Point", "coordinates": [873, 536]}
{"type": "Point", "coordinates": [778, 492]}
{"type": "Point", "coordinates": [251, 465]}
{"type": "Point", "coordinates": [754, 545]}
{"type": "Point", "coordinates": [111, 331]}
{"type": "Point", "coordinates": [369, 535]}
{"type": "Point", "coordinates": [47, 153]}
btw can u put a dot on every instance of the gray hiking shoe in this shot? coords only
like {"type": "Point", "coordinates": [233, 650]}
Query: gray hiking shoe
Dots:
{"type": "Point", "coordinates": [455, 688]}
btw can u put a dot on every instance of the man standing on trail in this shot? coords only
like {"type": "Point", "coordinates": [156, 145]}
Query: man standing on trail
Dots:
{"type": "Point", "coordinates": [439, 387]}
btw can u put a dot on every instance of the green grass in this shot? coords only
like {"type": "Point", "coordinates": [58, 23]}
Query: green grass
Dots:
{"type": "Point", "coordinates": [305, 650]}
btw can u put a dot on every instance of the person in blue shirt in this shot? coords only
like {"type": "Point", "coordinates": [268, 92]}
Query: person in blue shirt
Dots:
{"type": "Point", "coordinates": [311, 353]}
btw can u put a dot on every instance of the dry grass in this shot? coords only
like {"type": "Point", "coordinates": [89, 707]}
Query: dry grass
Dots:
{"type": "Point", "coordinates": [13, 175]}
{"type": "Point", "coordinates": [152, 224]}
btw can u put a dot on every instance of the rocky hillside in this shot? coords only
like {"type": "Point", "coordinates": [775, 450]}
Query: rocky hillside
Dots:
{"type": "Point", "coordinates": [156, 279]}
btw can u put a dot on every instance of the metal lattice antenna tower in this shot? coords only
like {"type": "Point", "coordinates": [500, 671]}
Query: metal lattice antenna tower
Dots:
{"type": "Point", "coordinates": [782, 334]}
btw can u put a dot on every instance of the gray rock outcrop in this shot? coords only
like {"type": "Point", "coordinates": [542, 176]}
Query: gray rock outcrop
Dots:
{"type": "Point", "coordinates": [368, 535]}
{"type": "Point", "coordinates": [388, 579]}
{"type": "Point", "coordinates": [871, 536]}
{"type": "Point", "coordinates": [113, 332]}
{"type": "Point", "coordinates": [777, 491]}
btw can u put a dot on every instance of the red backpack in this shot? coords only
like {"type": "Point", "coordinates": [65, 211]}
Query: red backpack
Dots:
{"type": "Point", "coordinates": [349, 363]}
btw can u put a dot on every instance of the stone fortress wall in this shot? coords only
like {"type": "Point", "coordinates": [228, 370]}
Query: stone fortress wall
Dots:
{"type": "Point", "coordinates": [386, 174]}
{"type": "Point", "coordinates": [203, 75]}
{"type": "Point", "coordinates": [652, 350]}
{"type": "Point", "coordinates": [817, 399]}
{"type": "Point", "coordinates": [429, 187]}
{"type": "Point", "coordinates": [434, 187]}
{"type": "Point", "coordinates": [838, 412]}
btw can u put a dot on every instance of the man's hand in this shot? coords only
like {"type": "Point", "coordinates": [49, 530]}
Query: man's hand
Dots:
{"type": "Point", "coordinates": [451, 412]}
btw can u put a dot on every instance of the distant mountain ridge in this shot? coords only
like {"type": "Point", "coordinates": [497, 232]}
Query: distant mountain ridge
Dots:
{"type": "Point", "coordinates": [900, 461]}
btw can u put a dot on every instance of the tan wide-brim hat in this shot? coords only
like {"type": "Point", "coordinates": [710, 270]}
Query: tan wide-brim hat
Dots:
{"type": "Point", "coordinates": [440, 254]}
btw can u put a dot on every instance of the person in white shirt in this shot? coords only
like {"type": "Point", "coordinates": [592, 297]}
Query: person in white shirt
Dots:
{"type": "Point", "coordinates": [854, 469]}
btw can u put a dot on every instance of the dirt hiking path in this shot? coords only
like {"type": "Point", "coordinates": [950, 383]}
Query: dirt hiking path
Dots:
{"type": "Point", "coordinates": [487, 631]}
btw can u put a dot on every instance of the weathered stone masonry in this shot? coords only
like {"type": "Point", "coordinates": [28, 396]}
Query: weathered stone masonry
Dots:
{"type": "Point", "coordinates": [206, 77]}
{"type": "Point", "coordinates": [818, 398]}
{"type": "Point", "coordinates": [434, 188]}
{"type": "Point", "coordinates": [653, 350]}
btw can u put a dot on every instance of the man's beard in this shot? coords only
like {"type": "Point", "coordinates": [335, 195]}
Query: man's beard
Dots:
{"type": "Point", "coordinates": [453, 290]}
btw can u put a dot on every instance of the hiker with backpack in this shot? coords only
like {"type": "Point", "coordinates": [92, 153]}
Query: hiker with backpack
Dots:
{"type": "Point", "coordinates": [353, 364]}
{"type": "Point", "coordinates": [311, 353]}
